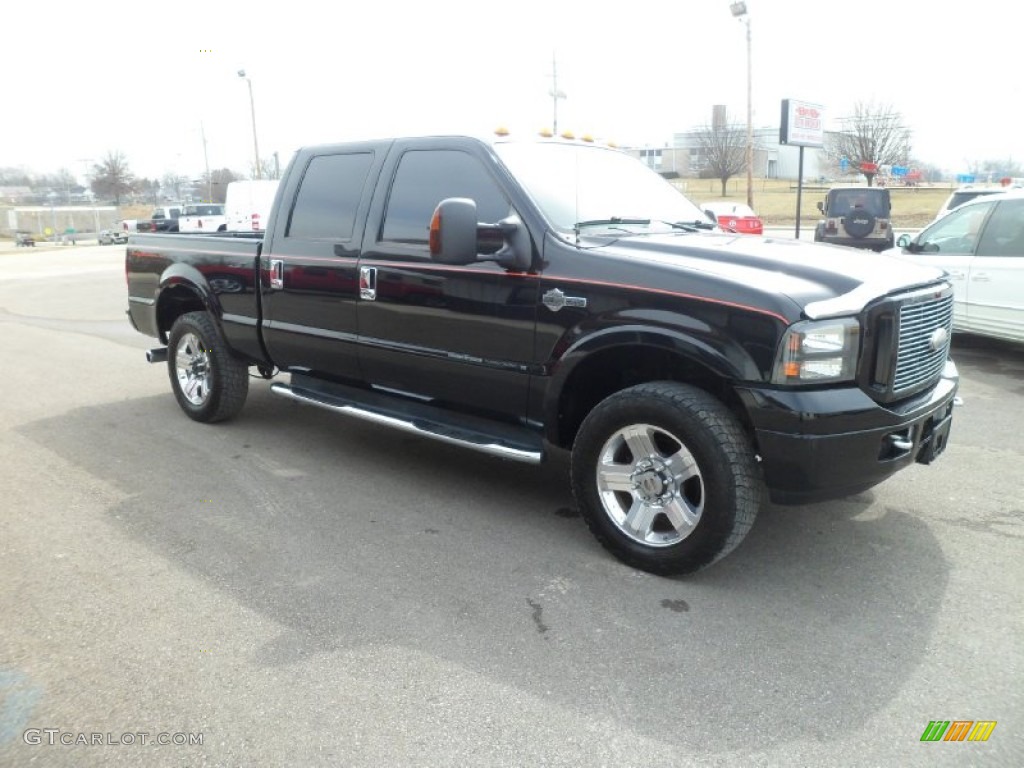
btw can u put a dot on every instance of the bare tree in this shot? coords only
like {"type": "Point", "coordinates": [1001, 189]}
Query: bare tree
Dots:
{"type": "Point", "coordinates": [111, 177]}
{"type": "Point", "coordinates": [994, 170]}
{"type": "Point", "coordinates": [174, 184]}
{"type": "Point", "coordinates": [872, 136]}
{"type": "Point", "coordinates": [270, 168]}
{"type": "Point", "coordinates": [215, 186]}
{"type": "Point", "coordinates": [148, 189]}
{"type": "Point", "coordinates": [723, 150]}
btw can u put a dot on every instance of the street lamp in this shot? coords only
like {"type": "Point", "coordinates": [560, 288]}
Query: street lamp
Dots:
{"type": "Point", "coordinates": [739, 10]}
{"type": "Point", "coordinates": [252, 108]}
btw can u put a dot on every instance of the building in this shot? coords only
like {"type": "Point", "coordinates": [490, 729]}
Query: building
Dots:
{"type": "Point", "coordinates": [684, 157]}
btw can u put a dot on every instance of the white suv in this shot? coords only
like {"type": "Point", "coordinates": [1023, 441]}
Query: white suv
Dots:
{"type": "Point", "coordinates": [980, 244]}
{"type": "Point", "coordinates": [967, 193]}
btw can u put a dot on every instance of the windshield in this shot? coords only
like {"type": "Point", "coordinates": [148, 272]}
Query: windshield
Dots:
{"type": "Point", "coordinates": [600, 188]}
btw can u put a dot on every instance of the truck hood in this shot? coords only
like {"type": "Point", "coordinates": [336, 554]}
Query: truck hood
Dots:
{"type": "Point", "coordinates": [823, 280]}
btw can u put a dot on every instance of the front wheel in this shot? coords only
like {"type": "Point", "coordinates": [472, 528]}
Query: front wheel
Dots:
{"type": "Point", "coordinates": [209, 383]}
{"type": "Point", "coordinates": [665, 477]}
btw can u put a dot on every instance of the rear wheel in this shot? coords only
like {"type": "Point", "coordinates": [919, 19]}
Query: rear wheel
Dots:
{"type": "Point", "coordinates": [665, 477]}
{"type": "Point", "coordinates": [209, 383]}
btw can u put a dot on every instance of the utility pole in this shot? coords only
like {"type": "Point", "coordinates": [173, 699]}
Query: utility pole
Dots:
{"type": "Point", "coordinates": [750, 125]}
{"type": "Point", "coordinates": [206, 160]}
{"type": "Point", "coordinates": [554, 93]}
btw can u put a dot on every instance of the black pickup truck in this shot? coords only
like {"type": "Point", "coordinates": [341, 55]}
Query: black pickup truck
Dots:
{"type": "Point", "coordinates": [164, 219]}
{"type": "Point", "coordinates": [521, 297]}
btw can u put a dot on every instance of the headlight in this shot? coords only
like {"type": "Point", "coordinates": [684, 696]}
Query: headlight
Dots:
{"type": "Point", "coordinates": [818, 352]}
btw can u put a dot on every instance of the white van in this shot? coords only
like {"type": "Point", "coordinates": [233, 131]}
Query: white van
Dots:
{"type": "Point", "coordinates": [248, 203]}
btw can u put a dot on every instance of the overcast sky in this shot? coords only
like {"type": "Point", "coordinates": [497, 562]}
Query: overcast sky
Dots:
{"type": "Point", "coordinates": [148, 79]}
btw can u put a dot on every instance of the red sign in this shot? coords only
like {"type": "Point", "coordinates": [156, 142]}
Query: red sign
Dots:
{"type": "Point", "coordinates": [869, 167]}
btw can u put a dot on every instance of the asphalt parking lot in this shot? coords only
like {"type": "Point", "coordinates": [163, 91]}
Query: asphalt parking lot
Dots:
{"type": "Point", "coordinates": [293, 588]}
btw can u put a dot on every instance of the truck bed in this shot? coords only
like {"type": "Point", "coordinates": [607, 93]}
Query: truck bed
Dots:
{"type": "Point", "coordinates": [225, 264]}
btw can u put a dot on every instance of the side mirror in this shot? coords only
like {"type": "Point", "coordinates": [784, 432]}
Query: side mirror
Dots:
{"type": "Point", "coordinates": [453, 231]}
{"type": "Point", "coordinates": [456, 237]}
{"type": "Point", "coordinates": [821, 207]}
{"type": "Point", "coordinates": [903, 241]}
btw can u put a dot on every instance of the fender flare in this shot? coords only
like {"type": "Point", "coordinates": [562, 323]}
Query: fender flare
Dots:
{"type": "Point", "coordinates": [187, 277]}
{"type": "Point", "coordinates": [728, 360]}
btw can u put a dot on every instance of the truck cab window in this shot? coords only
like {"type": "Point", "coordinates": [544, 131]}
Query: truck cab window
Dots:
{"type": "Point", "coordinates": [329, 194]}
{"type": "Point", "coordinates": [426, 177]}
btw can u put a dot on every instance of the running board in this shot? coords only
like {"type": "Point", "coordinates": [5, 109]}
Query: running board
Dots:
{"type": "Point", "coordinates": [505, 441]}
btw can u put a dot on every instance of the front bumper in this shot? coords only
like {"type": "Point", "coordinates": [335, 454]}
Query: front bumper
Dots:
{"type": "Point", "coordinates": [819, 445]}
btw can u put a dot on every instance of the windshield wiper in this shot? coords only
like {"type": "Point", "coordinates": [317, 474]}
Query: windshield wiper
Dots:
{"type": "Point", "coordinates": [609, 221]}
{"type": "Point", "coordinates": [691, 226]}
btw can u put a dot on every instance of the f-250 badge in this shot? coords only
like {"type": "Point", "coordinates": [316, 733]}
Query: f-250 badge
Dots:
{"type": "Point", "coordinates": [555, 300]}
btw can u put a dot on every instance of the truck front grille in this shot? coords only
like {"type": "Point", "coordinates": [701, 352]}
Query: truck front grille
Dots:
{"type": "Point", "coordinates": [925, 333]}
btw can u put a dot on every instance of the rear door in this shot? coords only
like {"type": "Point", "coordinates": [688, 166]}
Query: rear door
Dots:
{"type": "Point", "coordinates": [996, 276]}
{"type": "Point", "coordinates": [463, 335]}
{"type": "Point", "coordinates": [309, 270]}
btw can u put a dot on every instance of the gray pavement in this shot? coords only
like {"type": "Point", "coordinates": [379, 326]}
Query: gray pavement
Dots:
{"type": "Point", "coordinates": [300, 589]}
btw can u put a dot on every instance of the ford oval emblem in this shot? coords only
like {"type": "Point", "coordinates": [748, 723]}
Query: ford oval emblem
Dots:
{"type": "Point", "coordinates": [938, 339]}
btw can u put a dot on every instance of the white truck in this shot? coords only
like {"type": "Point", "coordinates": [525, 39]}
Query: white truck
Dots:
{"type": "Point", "coordinates": [202, 217]}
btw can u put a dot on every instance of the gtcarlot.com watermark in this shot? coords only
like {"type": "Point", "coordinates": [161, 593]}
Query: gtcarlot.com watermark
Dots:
{"type": "Point", "coordinates": [56, 736]}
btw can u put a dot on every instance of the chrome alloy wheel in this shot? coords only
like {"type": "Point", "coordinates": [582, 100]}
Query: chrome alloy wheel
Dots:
{"type": "Point", "coordinates": [192, 367]}
{"type": "Point", "coordinates": [650, 485]}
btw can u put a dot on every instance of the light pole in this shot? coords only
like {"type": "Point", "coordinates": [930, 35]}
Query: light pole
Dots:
{"type": "Point", "coordinates": [252, 108]}
{"type": "Point", "coordinates": [739, 10]}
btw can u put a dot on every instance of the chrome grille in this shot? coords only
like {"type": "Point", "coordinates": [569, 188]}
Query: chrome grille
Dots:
{"type": "Point", "coordinates": [917, 361]}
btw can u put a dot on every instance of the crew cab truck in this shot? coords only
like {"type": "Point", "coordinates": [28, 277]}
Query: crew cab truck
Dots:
{"type": "Point", "coordinates": [164, 219]}
{"type": "Point", "coordinates": [522, 298]}
{"type": "Point", "coordinates": [202, 217]}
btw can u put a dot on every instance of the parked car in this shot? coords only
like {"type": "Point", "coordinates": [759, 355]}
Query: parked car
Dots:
{"type": "Point", "coordinates": [24, 240]}
{"type": "Point", "coordinates": [734, 217]}
{"type": "Point", "coordinates": [856, 216]}
{"type": "Point", "coordinates": [202, 217]}
{"type": "Point", "coordinates": [967, 193]}
{"type": "Point", "coordinates": [112, 237]}
{"type": "Point", "coordinates": [980, 244]}
{"type": "Point", "coordinates": [164, 219]}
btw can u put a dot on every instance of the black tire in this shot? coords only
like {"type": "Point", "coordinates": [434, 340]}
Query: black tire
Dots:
{"type": "Point", "coordinates": [681, 430]}
{"type": "Point", "coordinates": [859, 223]}
{"type": "Point", "coordinates": [209, 383]}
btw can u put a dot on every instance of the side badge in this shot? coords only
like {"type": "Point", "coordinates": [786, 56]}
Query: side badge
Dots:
{"type": "Point", "coordinates": [555, 300]}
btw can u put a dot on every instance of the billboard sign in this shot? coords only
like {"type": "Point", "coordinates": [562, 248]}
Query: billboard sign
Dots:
{"type": "Point", "coordinates": [803, 124]}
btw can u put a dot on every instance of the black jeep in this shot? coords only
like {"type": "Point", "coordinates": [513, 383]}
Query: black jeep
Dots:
{"type": "Point", "coordinates": [857, 217]}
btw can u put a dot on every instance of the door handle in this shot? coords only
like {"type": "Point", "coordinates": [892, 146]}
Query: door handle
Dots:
{"type": "Point", "coordinates": [368, 283]}
{"type": "Point", "coordinates": [979, 277]}
{"type": "Point", "coordinates": [277, 273]}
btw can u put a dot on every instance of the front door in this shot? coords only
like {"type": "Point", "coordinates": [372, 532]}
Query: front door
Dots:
{"type": "Point", "coordinates": [459, 335]}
